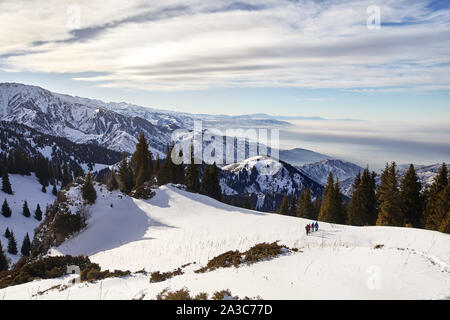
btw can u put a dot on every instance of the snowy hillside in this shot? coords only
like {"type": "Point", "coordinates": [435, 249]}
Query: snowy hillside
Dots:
{"type": "Point", "coordinates": [25, 188]}
{"type": "Point", "coordinates": [341, 170]}
{"type": "Point", "coordinates": [176, 228]}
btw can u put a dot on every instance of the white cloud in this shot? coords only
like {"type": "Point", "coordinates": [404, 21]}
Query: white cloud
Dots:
{"type": "Point", "coordinates": [184, 45]}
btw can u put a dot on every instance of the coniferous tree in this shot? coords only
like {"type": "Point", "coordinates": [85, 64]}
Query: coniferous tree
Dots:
{"type": "Point", "coordinates": [332, 208]}
{"type": "Point", "coordinates": [54, 190]}
{"type": "Point", "coordinates": [43, 189]}
{"type": "Point", "coordinates": [26, 210]}
{"type": "Point", "coordinates": [210, 182]}
{"type": "Point", "coordinates": [437, 207]}
{"type": "Point", "coordinates": [284, 208]}
{"type": "Point", "coordinates": [192, 176]}
{"type": "Point", "coordinates": [362, 210]}
{"type": "Point", "coordinates": [12, 244]}
{"type": "Point", "coordinates": [142, 160]}
{"type": "Point", "coordinates": [166, 171]}
{"type": "Point", "coordinates": [112, 183]}
{"type": "Point", "coordinates": [3, 260]}
{"type": "Point", "coordinates": [6, 184]}
{"type": "Point", "coordinates": [38, 213]}
{"type": "Point", "coordinates": [66, 176]}
{"type": "Point", "coordinates": [125, 175]}
{"type": "Point", "coordinates": [26, 246]}
{"type": "Point", "coordinates": [305, 206]}
{"type": "Point", "coordinates": [293, 206]}
{"type": "Point", "coordinates": [411, 198]}
{"type": "Point", "coordinates": [7, 233]}
{"type": "Point", "coordinates": [88, 191]}
{"type": "Point", "coordinates": [6, 210]}
{"type": "Point", "coordinates": [388, 194]}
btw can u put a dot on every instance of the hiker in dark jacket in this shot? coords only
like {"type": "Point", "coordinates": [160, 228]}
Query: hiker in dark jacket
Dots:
{"type": "Point", "coordinates": [307, 229]}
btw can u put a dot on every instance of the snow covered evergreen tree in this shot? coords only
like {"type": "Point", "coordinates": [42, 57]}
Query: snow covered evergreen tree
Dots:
{"type": "Point", "coordinates": [6, 210]}
{"type": "Point", "coordinates": [6, 184]}
{"type": "Point", "coordinates": [88, 191]}
{"type": "Point", "coordinates": [26, 210]}
{"type": "Point", "coordinates": [12, 244]}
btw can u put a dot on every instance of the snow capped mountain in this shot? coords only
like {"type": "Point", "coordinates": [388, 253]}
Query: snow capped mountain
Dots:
{"type": "Point", "coordinates": [77, 119]}
{"type": "Point", "coordinates": [300, 157]}
{"type": "Point", "coordinates": [341, 170]}
{"type": "Point", "coordinates": [267, 180]}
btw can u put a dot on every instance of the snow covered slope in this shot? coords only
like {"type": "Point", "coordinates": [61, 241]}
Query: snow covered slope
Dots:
{"type": "Point", "coordinates": [25, 188]}
{"type": "Point", "coordinates": [341, 170]}
{"type": "Point", "coordinates": [267, 179]}
{"type": "Point", "coordinates": [175, 228]}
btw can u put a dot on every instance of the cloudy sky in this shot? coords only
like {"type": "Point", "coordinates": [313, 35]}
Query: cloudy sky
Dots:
{"type": "Point", "coordinates": [283, 57]}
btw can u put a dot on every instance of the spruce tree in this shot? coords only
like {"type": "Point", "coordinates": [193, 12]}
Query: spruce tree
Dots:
{"type": "Point", "coordinates": [411, 198]}
{"type": "Point", "coordinates": [332, 208]}
{"type": "Point", "coordinates": [112, 183]}
{"type": "Point", "coordinates": [38, 213]}
{"type": "Point", "coordinates": [12, 244]}
{"type": "Point", "coordinates": [26, 246]}
{"type": "Point", "coordinates": [293, 206]}
{"type": "Point", "coordinates": [26, 210]}
{"type": "Point", "coordinates": [6, 184]}
{"type": "Point", "coordinates": [362, 210]}
{"type": "Point", "coordinates": [437, 207]}
{"type": "Point", "coordinates": [3, 260]}
{"type": "Point", "coordinates": [6, 210]}
{"type": "Point", "coordinates": [210, 182]}
{"type": "Point", "coordinates": [142, 160]}
{"type": "Point", "coordinates": [284, 208]}
{"type": "Point", "coordinates": [388, 194]}
{"type": "Point", "coordinates": [305, 206]}
{"type": "Point", "coordinates": [126, 175]}
{"type": "Point", "coordinates": [166, 171]}
{"type": "Point", "coordinates": [192, 176]}
{"type": "Point", "coordinates": [54, 190]}
{"type": "Point", "coordinates": [88, 191]}
{"type": "Point", "coordinates": [7, 233]}
{"type": "Point", "coordinates": [43, 189]}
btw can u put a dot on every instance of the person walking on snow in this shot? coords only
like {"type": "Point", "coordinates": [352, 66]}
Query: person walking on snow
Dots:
{"type": "Point", "coordinates": [307, 229]}
{"type": "Point", "coordinates": [317, 226]}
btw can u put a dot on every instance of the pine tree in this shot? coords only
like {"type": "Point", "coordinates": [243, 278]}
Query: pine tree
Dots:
{"type": "Point", "coordinates": [26, 246]}
{"type": "Point", "coordinates": [284, 208]}
{"type": "Point", "coordinates": [26, 210]}
{"type": "Point", "coordinates": [332, 208]}
{"type": "Point", "coordinates": [12, 244]}
{"type": "Point", "coordinates": [88, 191]}
{"type": "Point", "coordinates": [38, 213]}
{"type": "Point", "coordinates": [436, 212]}
{"type": "Point", "coordinates": [112, 183]}
{"type": "Point", "coordinates": [126, 175]}
{"type": "Point", "coordinates": [142, 160]}
{"type": "Point", "coordinates": [7, 233]}
{"type": "Point", "coordinates": [6, 210]}
{"type": "Point", "coordinates": [210, 182]}
{"type": "Point", "coordinates": [192, 179]}
{"type": "Point", "coordinates": [388, 194]}
{"type": "Point", "coordinates": [3, 260]}
{"type": "Point", "coordinates": [6, 184]}
{"type": "Point", "coordinates": [166, 171]}
{"type": "Point", "coordinates": [362, 210]}
{"type": "Point", "coordinates": [43, 189]}
{"type": "Point", "coordinates": [411, 198]}
{"type": "Point", "coordinates": [54, 190]}
{"type": "Point", "coordinates": [305, 206]}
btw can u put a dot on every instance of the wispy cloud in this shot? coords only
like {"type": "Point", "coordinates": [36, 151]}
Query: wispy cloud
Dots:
{"type": "Point", "coordinates": [193, 44]}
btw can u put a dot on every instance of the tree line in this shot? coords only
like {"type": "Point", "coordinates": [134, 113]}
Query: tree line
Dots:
{"type": "Point", "coordinates": [396, 202]}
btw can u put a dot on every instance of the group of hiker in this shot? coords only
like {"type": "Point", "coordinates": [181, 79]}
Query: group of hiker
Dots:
{"type": "Point", "coordinates": [311, 227]}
